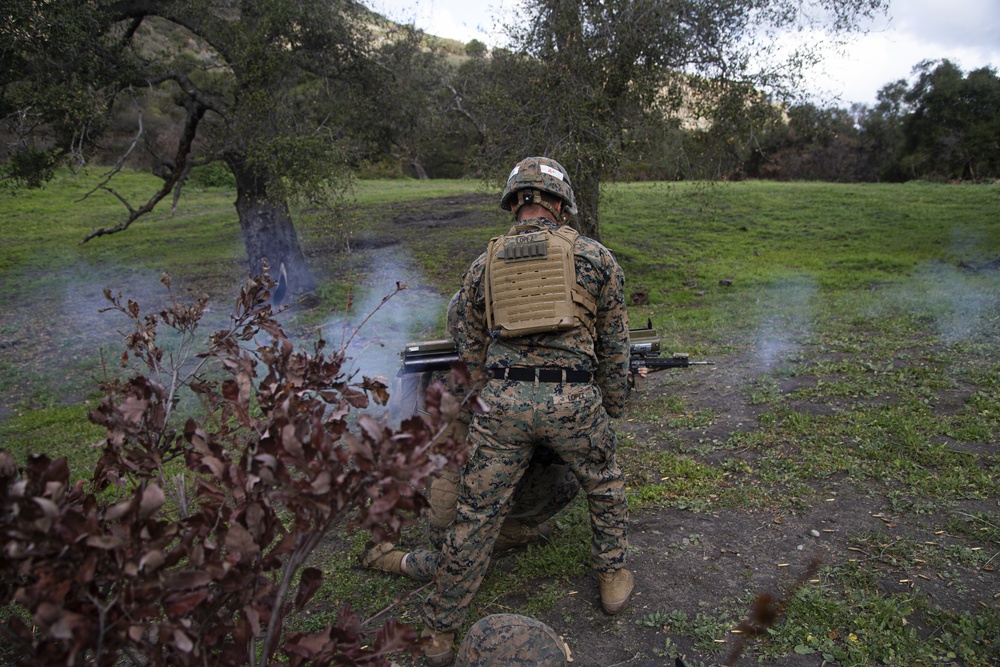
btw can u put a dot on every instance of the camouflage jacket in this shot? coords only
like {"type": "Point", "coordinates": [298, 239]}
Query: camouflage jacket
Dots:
{"type": "Point", "coordinates": [605, 353]}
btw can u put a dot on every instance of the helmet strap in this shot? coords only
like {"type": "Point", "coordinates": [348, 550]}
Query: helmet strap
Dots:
{"type": "Point", "coordinates": [531, 196]}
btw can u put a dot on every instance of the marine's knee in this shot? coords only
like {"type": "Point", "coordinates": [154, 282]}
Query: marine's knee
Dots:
{"type": "Point", "coordinates": [443, 498]}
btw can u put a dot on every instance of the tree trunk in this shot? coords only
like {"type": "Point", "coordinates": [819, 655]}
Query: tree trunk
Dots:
{"type": "Point", "coordinates": [419, 168]}
{"type": "Point", "coordinates": [587, 190]}
{"type": "Point", "coordinates": [269, 235]}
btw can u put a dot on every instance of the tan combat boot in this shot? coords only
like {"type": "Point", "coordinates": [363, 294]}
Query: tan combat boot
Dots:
{"type": "Point", "coordinates": [383, 556]}
{"type": "Point", "coordinates": [437, 647]}
{"type": "Point", "coordinates": [515, 534]}
{"type": "Point", "coordinates": [616, 590]}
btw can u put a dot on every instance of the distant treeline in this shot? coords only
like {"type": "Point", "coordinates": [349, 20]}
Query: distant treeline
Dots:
{"type": "Point", "coordinates": [944, 125]}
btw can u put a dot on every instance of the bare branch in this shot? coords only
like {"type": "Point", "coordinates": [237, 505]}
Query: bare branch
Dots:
{"type": "Point", "coordinates": [399, 602]}
{"type": "Point", "coordinates": [119, 164]}
{"type": "Point", "coordinates": [195, 113]}
{"type": "Point", "coordinates": [132, 211]}
{"type": "Point", "coordinates": [133, 27]}
{"type": "Point", "coordinates": [462, 111]}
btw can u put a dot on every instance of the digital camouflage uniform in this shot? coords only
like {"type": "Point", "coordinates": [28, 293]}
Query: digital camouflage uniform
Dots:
{"type": "Point", "coordinates": [571, 419]}
{"type": "Point", "coordinates": [511, 640]}
{"type": "Point", "coordinates": [546, 488]}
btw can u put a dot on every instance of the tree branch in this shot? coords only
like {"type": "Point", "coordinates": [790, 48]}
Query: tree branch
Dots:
{"type": "Point", "coordinates": [457, 107]}
{"type": "Point", "coordinates": [118, 165]}
{"type": "Point", "coordinates": [203, 24]}
{"type": "Point", "coordinates": [210, 101]}
{"type": "Point", "coordinates": [195, 113]}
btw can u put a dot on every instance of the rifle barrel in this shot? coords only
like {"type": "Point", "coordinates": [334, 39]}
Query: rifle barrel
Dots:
{"type": "Point", "coordinates": [428, 363]}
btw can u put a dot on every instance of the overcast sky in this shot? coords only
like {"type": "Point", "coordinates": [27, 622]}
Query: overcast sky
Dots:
{"type": "Point", "coordinates": [967, 32]}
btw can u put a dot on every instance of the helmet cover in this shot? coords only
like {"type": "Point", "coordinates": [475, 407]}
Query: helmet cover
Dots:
{"type": "Point", "coordinates": [538, 173]}
{"type": "Point", "coordinates": [501, 640]}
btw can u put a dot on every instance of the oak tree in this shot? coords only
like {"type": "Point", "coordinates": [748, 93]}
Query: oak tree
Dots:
{"type": "Point", "coordinates": [258, 87]}
{"type": "Point", "coordinates": [952, 129]}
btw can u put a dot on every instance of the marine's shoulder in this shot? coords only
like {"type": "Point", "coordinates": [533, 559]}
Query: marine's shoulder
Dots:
{"type": "Point", "coordinates": [593, 249]}
{"type": "Point", "coordinates": [478, 263]}
{"type": "Point", "coordinates": [588, 242]}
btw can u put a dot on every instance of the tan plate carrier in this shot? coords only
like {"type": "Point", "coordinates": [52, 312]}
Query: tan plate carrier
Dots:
{"type": "Point", "coordinates": [531, 283]}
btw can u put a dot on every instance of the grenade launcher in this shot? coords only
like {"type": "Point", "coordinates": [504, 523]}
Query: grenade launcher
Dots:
{"type": "Point", "coordinates": [438, 355]}
{"type": "Point", "coordinates": [645, 352]}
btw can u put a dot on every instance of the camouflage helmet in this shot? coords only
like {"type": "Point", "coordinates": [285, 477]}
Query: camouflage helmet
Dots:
{"type": "Point", "coordinates": [506, 640]}
{"type": "Point", "coordinates": [538, 173]}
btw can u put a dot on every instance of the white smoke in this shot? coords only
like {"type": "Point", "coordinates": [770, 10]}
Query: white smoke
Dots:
{"type": "Point", "coordinates": [788, 318]}
{"type": "Point", "coordinates": [410, 315]}
{"type": "Point", "coordinates": [90, 323]}
{"type": "Point", "coordinates": [961, 304]}
{"type": "Point", "coordinates": [86, 319]}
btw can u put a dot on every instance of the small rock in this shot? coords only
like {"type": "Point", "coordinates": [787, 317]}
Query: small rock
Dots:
{"type": "Point", "coordinates": [814, 532]}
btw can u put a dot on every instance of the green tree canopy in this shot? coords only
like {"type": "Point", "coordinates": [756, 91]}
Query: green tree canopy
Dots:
{"type": "Point", "coordinates": [953, 127]}
{"type": "Point", "coordinates": [943, 125]}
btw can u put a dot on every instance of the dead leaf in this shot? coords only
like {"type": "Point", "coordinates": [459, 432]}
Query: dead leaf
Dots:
{"type": "Point", "coordinates": [182, 641]}
{"type": "Point", "coordinates": [153, 499]}
{"type": "Point", "coordinates": [240, 542]}
{"type": "Point", "coordinates": [309, 583]}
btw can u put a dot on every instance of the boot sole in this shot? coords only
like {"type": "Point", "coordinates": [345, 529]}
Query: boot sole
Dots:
{"type": "Point", "coordinates": [614, 609]}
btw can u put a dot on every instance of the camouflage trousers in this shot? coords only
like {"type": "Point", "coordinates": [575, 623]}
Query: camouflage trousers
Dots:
{"type": "Point", "coordinates": [544, 490]}
{"type": "Point", "coordinates": [570, 420]}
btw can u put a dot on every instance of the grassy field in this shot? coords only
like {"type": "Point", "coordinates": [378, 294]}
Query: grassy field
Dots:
{"type": "Point", "coordinates": [855, 330]}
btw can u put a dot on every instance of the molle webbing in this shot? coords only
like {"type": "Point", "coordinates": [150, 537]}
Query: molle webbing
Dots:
{"type": "Point", "coordinates": [531, 284]}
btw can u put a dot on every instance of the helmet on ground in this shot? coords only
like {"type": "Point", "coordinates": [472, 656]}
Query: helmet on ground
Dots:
{"type": "Point", "coordinates": [505, 640]}
{"type": "Point", "coordinates": [537, 174]}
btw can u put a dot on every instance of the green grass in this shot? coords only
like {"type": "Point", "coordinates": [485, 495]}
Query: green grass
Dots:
{"type": "Point", "coordinates": [402, 190]}
{"type": "Point", "coordinates": [55, 431]}
{"type": "Point", "coordinates": [869, 313]}
{"type": "Point", "coordinates": [792, 246]}
{"type": "Point", "coordinates": [51, 222]}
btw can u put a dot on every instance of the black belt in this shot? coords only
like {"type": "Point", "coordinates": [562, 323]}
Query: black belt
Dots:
{"type": "Point", "coordinates": [540, 374]}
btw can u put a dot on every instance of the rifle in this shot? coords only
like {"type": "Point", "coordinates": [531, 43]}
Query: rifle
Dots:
{"type": "Point", "coordinates": [438, 355]}
{"type": "Point", "coordinates": [645, 353]}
